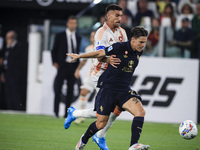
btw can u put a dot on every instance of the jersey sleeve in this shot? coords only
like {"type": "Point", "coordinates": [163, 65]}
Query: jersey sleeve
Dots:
{"type": "Point", "coordinates": [112, 50]}
{"type": "Point", "coordinates": [100, 41]}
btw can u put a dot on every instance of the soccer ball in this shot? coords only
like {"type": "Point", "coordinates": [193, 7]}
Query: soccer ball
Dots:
{"type": "Point", "coordinates": [188, 129]}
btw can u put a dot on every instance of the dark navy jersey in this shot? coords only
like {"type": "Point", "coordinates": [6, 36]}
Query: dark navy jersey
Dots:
{"type": "Point", "coordinates": [119, 78]}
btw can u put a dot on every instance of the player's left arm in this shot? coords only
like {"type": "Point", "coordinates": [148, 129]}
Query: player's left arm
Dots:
{"type": "Point", "coordinates": [112, 60]}
{"type": "Point", "coordinates": [96, 54]}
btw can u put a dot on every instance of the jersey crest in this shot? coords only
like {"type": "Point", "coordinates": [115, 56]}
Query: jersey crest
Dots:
{"type": "Point", "coordinates": [120, 38]}
{"type": "Point", "coordinates": [130, 64]}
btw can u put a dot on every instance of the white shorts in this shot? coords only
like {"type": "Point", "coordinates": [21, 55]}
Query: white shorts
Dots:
{"type": "Point", "coordinates": [90, 83]}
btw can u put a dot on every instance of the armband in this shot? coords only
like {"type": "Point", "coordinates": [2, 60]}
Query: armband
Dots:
{"type": "Point", "coordinates": [100, 47]}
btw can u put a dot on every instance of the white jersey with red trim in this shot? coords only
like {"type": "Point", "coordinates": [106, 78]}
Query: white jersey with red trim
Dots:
{"type": "Point", "coordinates": [105, 37]}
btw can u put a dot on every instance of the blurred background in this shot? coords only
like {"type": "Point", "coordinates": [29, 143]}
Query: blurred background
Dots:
{"type": "Point", "coordinates": [168, 75]}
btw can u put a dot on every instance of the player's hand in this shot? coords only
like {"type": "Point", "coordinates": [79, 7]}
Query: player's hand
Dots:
{"type": "Point", "coordinates": [73, 56]}
{"type": "Point", "coordinates": [114, 61]}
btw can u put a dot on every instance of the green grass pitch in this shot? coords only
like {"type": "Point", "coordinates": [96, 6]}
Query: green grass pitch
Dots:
{"type": "Point", "coordinates": [37, 132]}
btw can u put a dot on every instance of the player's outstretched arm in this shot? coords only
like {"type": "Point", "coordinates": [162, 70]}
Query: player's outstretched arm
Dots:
{"type": "Point", "coordinates": [96, 54]}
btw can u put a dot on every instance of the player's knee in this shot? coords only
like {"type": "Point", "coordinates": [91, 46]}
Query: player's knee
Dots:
{"type": "Point", "coordinates": [101, 125]}
{"type": "Point", "coordinates": [83, 92]}
{"type": "Point", "coordinates": [140, 113]}
{"type": "Point", "coordinates": [143, 112]}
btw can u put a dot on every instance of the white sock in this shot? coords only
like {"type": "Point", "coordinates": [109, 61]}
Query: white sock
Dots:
{"type": "Point", "coordinates": [85, 113]}
{"type": "Point", "coordinates": [82, 102]}
{"type": "Point", "coordinates": [102, 132]}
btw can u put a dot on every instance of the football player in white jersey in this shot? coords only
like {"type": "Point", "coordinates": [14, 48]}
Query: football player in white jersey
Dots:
{"type": "Point", "coordinates": [109, 33]}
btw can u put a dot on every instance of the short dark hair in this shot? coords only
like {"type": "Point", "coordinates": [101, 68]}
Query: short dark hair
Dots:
{"type": "Point", "coordinates": [71, 17]}
{"type": "Point", "coordinates": [136, 32]}
{"type": "Point", "coordinates": [112, 7]}
{"type": "Point", "coordinates": [185, 20]}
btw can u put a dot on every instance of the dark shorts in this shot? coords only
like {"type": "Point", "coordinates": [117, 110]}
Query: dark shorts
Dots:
{"type": "Point", "coordinates": [107, 99]}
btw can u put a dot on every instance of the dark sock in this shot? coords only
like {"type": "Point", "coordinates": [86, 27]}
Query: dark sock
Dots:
{"type": "Point", "coordinates": [92, 129]}
{"type": "Point", "coordinates": [136, 129]}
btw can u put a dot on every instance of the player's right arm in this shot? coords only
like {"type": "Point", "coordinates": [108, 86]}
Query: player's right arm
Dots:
{"type": "Point", "coordinates": [96, 54]}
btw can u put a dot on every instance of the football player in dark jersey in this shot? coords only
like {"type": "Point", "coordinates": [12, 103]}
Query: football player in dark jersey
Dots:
{"type": "Point", "coordinates": [115, 88]}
